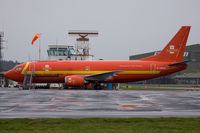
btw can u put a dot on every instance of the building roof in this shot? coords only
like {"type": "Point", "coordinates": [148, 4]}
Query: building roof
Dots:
{"type": "Point", "coordinates": [60, 46]}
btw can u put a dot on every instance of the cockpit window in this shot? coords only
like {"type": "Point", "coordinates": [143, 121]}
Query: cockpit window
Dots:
{"type": "Point", "coordinates": [17, 68]}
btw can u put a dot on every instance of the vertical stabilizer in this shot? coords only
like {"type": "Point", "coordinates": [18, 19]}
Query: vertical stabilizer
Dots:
{"type": "Point", "coordinates": [174, 50]}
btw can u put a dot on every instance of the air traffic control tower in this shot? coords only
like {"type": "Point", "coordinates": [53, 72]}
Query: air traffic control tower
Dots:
{"type": "Point", "coordinates": [78, 52]}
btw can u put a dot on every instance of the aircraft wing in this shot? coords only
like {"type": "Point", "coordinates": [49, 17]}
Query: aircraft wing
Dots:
{"type": "Point", "coordinates": [101, 76]}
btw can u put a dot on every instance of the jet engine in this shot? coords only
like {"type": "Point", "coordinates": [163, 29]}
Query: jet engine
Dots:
{"type": "Point", "coordinates": [74, 81]}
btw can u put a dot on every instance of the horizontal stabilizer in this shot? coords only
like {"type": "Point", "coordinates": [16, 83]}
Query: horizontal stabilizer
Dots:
{"type": "Point", "coordinates": [179, 63]}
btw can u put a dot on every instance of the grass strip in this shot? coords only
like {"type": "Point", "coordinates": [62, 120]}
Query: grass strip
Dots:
{"type": "Point", "coordinates": [101, 125]}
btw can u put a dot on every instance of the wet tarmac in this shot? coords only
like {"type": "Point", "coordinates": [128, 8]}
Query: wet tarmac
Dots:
{"type": "Point", "coordinates": [102, 103]}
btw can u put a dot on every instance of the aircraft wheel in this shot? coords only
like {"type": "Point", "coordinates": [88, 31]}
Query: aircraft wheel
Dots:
{"type": "Point", "coordinates": [65, 86]}
{"type": "Point", "coordinates": [97, 87]}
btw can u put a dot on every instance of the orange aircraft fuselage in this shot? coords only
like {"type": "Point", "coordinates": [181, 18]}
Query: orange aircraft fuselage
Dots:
{"type": "Point", "coordinates": [55, 71]}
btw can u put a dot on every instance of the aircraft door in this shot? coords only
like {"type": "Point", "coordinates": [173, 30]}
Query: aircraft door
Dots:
{"type": "Point", "coordinates": [153, 68]}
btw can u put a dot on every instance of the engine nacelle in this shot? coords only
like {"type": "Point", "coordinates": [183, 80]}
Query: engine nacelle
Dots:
{"type": "Point", "coordinates": [74, 81]}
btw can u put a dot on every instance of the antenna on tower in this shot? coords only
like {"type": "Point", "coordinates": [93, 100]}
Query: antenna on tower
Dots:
{"type": "Point", "coordinates": [82, 42]}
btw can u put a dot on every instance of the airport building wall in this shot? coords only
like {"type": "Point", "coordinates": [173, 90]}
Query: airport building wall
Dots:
{"type": "Point", "coordinates": [191, 75]}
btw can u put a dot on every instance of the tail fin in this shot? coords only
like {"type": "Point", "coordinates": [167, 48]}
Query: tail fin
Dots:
{"type": "Point", "coordinates": [174, 50]}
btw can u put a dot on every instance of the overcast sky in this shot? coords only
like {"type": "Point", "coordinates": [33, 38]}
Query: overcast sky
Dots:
{"type": "Point", "coordinates": [126, 27]}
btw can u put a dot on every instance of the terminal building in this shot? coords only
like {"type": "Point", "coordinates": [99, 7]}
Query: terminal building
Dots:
{"type": "Point", "coordinates": [191, 75]}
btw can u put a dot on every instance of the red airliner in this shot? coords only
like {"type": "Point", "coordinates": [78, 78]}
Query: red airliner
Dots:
{"type": "Point", "coordinates": [82, 73]}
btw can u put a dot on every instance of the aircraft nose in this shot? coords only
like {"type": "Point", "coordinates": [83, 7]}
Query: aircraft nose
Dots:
{"type": "Point", "coordinates": [8, 74]}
